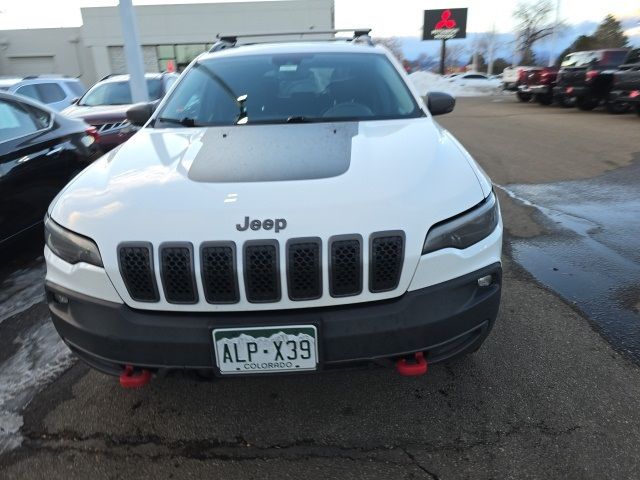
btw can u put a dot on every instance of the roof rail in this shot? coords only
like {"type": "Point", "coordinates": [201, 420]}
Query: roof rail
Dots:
{"type": "Point", "coordinates": [109, 76]}
{"type": "Point", "coordinates": [46, 75]}
{"type": "Point", "coordinates": [360, 35]}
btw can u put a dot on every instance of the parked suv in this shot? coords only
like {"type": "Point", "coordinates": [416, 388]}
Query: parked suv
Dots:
{"type": "Point", "coordinates": [625, 90]}
{"type": "Point", "coordinates": [588, 76]}
{"type": "Point", "coordinates": [288, 207]}
{"type": "Point", "coordinates": [105, 105]}
{"type": "Point", "coordinates": [55, 91]}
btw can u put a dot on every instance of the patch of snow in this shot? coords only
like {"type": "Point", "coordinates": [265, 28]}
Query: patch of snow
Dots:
{"type": "Point", "coordinates": [432, 82]}
{"type": "Point", "coordinates": [22, 289]}
{"type": "Point", "coordinates": [41, 358]}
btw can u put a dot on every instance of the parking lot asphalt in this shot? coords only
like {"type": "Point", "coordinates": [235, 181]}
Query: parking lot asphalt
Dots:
{"type": "Point", "coordinates": [546, 397]}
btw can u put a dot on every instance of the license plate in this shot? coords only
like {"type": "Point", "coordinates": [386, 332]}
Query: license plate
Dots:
{"type": "Point", "coordinates": [266, 349]}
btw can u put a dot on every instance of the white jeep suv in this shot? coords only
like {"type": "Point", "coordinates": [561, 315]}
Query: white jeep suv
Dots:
{"type": "Point", "coordinates": [287, 207]}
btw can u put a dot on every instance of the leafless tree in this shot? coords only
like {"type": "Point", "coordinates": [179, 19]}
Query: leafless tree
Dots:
{"type": "Point", "coordinates": [487, 44]}
{"type": "Point", "coordinates": [533, 23]}
{"type": "Point", "coordinates": [393, 44]}
{"type": "Point", "coordinates": [453, 54]}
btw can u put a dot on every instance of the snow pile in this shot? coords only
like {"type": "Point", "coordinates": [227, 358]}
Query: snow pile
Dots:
{"type": "Point", "coordinates": [41, 357]}
{"type": "Point", "coordinates": [431, 82]}
{"type": "Point", "coordinates": [22, 289]}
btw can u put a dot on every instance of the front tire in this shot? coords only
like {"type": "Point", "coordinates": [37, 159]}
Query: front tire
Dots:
{"type": "Point", "coordinates": [524, 97]}
{"type": "Point", "coordinates": [617, 108]}
{"type": "Point", "coordinates": [544, 98]}
{"type": "Point", "coordinates": [587, 103]}
{"type": "Point", "coordinates": [564, 101]}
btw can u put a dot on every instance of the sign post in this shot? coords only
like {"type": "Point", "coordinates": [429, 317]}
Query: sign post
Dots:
{"type": "Point", "coordinates": [444, 24]}
{"type": "Point", "coordinates": [133, 52]}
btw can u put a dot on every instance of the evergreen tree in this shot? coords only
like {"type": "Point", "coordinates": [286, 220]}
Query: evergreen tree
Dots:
{"type": "Point", "coordinates": [583, 42]}
{"type": "Point", "coordinates": [499, 64]}
{"type": "Point", "coordinates": [610, 34]}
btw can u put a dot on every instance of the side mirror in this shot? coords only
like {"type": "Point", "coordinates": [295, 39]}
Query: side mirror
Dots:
{"type": "Point", "coordinates": [439, 103]}
{"type": "Point", "coordinates": [140, 113]}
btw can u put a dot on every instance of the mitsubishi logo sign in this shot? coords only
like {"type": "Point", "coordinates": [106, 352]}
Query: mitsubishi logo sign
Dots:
{"type": "Point", "coordinates": [445, 24]}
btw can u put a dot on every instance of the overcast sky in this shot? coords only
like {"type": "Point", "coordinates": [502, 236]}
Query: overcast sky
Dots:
{"type": "Point", "coordinates": [386, 17]}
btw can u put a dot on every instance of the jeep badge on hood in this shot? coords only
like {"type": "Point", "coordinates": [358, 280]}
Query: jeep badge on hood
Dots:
{"type": "Point", "coordinates": [268, 224]}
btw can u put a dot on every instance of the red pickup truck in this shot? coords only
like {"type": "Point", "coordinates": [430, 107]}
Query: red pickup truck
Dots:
{"type": "Point", "coordinates": [537, 84]}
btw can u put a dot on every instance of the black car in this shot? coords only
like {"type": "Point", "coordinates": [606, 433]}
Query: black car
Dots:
{"type": "Point", "coordinates": [587, 76]}
{"type": "Point", "coordinates": [625, 91]}
{"type": "Point", "coordinates": [40, 151]}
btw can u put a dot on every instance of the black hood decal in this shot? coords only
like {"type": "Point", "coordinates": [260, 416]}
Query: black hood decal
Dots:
{"type": "Point", "coordinates": [270, 153]}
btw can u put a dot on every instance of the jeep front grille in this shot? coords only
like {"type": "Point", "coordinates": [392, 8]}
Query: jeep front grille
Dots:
{"type": "Point", "coordinates": [176, 269]}
{"type": "Point", "coordinates": [304, 269]}
{"type": "Point", "coordinates": [387, 256]}
{"type": "Point", "coordinates": [345, 274]}
{"type": "Point", "coordinates": [261, 272]}
{"type": "Point", "coordinates": [219, 278]}
{"type": "Point", "coordinates": [136, 268]}
{"type": "Point", "coordinates": [259, 262]}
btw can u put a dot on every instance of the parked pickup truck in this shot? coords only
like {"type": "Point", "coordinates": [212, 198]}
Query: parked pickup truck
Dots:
{"type": "Point", "coordinates": [588, 76]}
{"type": "Point", "coordinates": [511, 77]}
{"type": "Point", "coordinates": [525, 76]}
{"type": "Point", "coordinates": [625, 89]}
{"type": "Point", "coordinates": [541, 82]}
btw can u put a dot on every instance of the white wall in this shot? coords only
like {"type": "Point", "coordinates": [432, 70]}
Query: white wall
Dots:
{"type": "Point", "coordinates": [84, 51]}
{"type": "Point", "coordinates": [199, 23]}
{"type": "Point", "coordinates": [45, 50]}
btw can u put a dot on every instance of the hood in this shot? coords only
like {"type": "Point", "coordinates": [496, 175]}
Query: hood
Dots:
{"type": "Point", "coordinates": [98, 114]}
{"type": "Point", "coordinates": [203, 184]}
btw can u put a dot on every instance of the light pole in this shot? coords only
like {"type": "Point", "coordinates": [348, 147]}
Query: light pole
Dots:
{"type": "Point", "coordinates": [554, 33]}
{"type": "Point", "coordinates": [133, 52]}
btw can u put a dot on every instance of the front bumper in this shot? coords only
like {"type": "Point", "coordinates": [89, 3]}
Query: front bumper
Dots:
{"type": "Point", "coordinates": [540, 89]}
{"type": "Point", "coordinates": [569, 91]}
{"type": "Point", "coordinates": [626, 96]}
{"type": "Point", "coordinates": [444, 320]}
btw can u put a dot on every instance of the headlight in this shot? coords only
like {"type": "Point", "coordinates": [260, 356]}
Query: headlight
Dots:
{"type": "Point", "coordinates": [69, 246]}
{"type": "Point", "coordinates": [465, 229]}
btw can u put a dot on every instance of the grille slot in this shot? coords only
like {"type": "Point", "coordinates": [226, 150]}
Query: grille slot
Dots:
{"type": "Point", "coordinates": [304, 272]}
{"type": "Point", "coordinates": [387, 256]}
{"type": "Point", "coordinates": [136, 267]}
{"type": "Point", "coordinates": [176, 270]}
{"type": "Point", "coordinates": [219, 277]}
{"type": "Point", "coordinates": [345, 277]}
{"type": "Point", "coordinates": [261, 272]}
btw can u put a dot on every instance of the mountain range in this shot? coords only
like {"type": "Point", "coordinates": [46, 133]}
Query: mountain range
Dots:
{"type": "Point", "coordinates": [412, 47]}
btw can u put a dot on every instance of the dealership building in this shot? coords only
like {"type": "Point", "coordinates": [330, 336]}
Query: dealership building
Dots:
{"type": "Point", "coordinates": [168, 34]}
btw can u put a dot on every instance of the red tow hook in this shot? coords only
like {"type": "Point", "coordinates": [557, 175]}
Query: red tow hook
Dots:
{"type": "Point", "coordinates": [129, 380]}
{"type": "Point", "coordinates": [407, 369]}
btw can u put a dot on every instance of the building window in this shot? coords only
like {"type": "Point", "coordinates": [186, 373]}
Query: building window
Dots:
{"type": "Point", "coordinates": [181, 54]}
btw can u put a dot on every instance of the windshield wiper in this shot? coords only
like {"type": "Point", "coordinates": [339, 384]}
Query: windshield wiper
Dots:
{"type": "Point", "coordinates": [185, 122]}
{"type": "Point", "coordinates": [240, 100]}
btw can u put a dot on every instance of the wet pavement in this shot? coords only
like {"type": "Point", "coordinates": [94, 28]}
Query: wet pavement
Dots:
{"type": "Point", "coordinates": [592, 258]}
{"type": "Point", "coordinates": [545, 397]}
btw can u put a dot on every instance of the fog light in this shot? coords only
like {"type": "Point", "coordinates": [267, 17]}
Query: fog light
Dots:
{"type": "Point", "coordinates": [59, 298]}
{"type": "Point", "coordinates": [485, 281]}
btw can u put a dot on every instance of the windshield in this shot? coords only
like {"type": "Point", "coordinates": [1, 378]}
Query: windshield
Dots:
{"type": "Point", "coordinates": [118, 93]}
{"type": "Point", "coordinates": [277, 88]}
